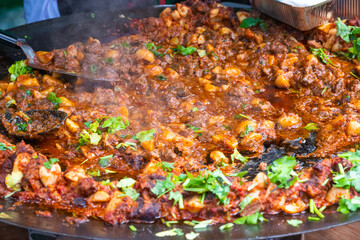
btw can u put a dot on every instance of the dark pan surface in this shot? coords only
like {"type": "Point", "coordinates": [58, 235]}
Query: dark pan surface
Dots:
{"type": "Point", "coordinates": [106, 26]}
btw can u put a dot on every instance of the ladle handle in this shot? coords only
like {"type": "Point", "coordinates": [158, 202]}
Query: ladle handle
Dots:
{"type": "Point", "coordinates": [10, 39]}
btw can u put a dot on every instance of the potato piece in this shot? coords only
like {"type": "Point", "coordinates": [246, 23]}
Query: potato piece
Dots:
{"type": "Point", "coordinates": [44, 57]}
{"type": "Point", "coordinates": [50, 176]}
{"type": "Point", "coordinates": [282, 82]}
{"type": "Point", "coordinates": [66, 102]}
{"type": "Point", "coordinates": [225, 140]}
{"type": "Point", "coordinates": [353, 128]}
{"type": "Point", "coordinates": [99, 196]}
{"type": "Point", "coordinates": [218, 157]}
{"type": "Point", "coordinates": [51, 80]}
{"type": "Point", "coordinates": [294, 207]}
{"type": "Point", "coordinates": [76, 174]}
{"type": "Point", "coordinates": [72, 126]}
{"type": "Point", "coordinates": [232, 71]}
{"type": "Point", "coordinates": [182, 9]}
{"type": "Point", "coordinates": [27, 81]}
{"type": "Point", "coordinates": [335, 194]}
{"type": "Point", "coordinates": [289, 121]}
{"type": "Point", "coordinates": [193, 205]}
{"type": "Point", "coordinates": [145, 54]}
{"type": "Point", "coordinates": [148, 145]}
{"type": "Point", "coordinates": [153, 70]}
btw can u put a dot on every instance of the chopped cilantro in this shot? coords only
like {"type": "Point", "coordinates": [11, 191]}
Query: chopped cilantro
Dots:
{"type": "Point", "coordinates": [311, 127]}
{"type": "Point", "coordinates": [353, 157]}
{"type": "Point", "coordinates": [252, 22]}
{"type": "Point", "coordinates": [166, 166]}
{"type": "Point", "coordinates": [195, 109]}
{"type": "Point", "coordinates": [132, 228]}
{"type": "Point", "coordinates": [3, 147]}
{"type": "Point", "coordinates": [195, 129]}
{"type": "Point", "coordinates": [92, 15]}
{"type": "Point", "coordinates": [145, 135]}
{"type": "Point", "coordinates": [226, 226]}
{"type": "Point", "coordinates": [241, 115]}
{"type": "Point", "coordinates": [27, 92]}
{"type": "Point", "coordinates": [125, 44]}
{"type": "Point", "coordinates": [236, 155]}
{"type": "Point", "coordinates": [93, 172]}
{"type": "Point", "coordinates": [245, 202]}
{"type": "Point", "coordinates": [163, 187]}
{"type": "Point", "coordinates": [161, 77]}
{"type": "Point", "coordinates": [201, 53]}
{"type": "Point", "coordinates": [18, 68]}
{"type": "Point", "coordinates": [93, 68]}
{"type": "Point", "coordinates": [115, 124]}
{"type": "Point", "coordinates": [281, 172]}
{"type": "Point", "coordinates": [185, 50]}
{"type": "Point", "coordinates": [191, 235]}
{"type": "Point", "coordinates": [109, 60]}
{"type": "Point", "coordinates": [50, 162]}
{"type": "Point", "coordinates": [251, 219]}
{"type": "Point", "coordinates": [170, 233]}
{"type": "Point", "coordinates": [54, 100]}
{"type": "Point", "coordinates": [21, 127]}
{"type": "Point", "coordinates": [349, 179]}
{"type": "Point", "coordinates": [248, 130]}
{"type": "Point", "coordinates": [349, 205]}
{"type": "Point", "coordinates": [320, 53]}
{"type": "Point", "coordinates": [126, 186]}
{"type": "Point", "coordinates": [131, 145]}
{"type": "Point", "coordinates": [177, 197]}
{"type": "Point", "coordinates": [294, 222]}
{"type": "Point", "coordinates": [203, 224]}
{"type": "Point", "coordinates": [126, 182]}
{"type": "Point", "coordinates": [105, 161]}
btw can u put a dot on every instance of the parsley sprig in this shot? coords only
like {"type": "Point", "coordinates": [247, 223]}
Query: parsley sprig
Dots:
{"type": "Point", "coordinates": [18, 68]}
{"type": "Point", "coordinates": [281, 172]}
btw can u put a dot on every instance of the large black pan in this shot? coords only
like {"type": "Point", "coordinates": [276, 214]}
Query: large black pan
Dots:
{"type": "Point", "coordinates": [60, 32]}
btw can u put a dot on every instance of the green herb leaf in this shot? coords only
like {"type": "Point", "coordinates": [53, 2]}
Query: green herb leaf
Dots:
{"type": "Point", "coordinates": [170, 233]}
{"type": "Point", "coordinates": [130, 192]}
{"type": "Point", "coordinates": [115, 124]}
{"type": "Point", "coordinates": [195, 109]}
{"type": "Point", "coordinates": [203, 224]}
{"type": "Point", "coordinates": [236, 155]}
{"type": "Point", "coordinates": [109, 60]}
{"type": "Point", "coordinates": [252, 22]}
{"type": "Point", "coordinates": [195, 129]}
{"type": "Point", "coordinates": [191, 235]}
{"type": "Point", "coordinates": [251, 219]}
{"type": "Point", "coordinates": [133, 228]}
{"type": "Point", "coordinates": [166, 166]}
{"type": "Point", "coordinates": [126, 182]}
{"type": "Point", "coordinates": [54, 100]}
{"type": "Point", "coordinates": [311, 127]}
{"type": "Point", "coordinates": [201, 53]}
{"type": "Point", "coordinates": [131, 145]}
{"type": "Point", "coordinates": [320, 53]}
{"type": "Point", "coordinates": [349, 205]}
{"type": "Point", "coordinates": [50, 162]}
{"type": "Point", "coordinates": [246, 201]}
{"type": "Point", "coordinates": [125, 44]}
{"type": "Point", "coordinates": [353, 157]}
{"type": "Point", "coordinates": [4, 216]}
{"type": "Point", "coordinates": [248, 130]}
{"type": "Point", "coordinates": [3, 147]}
{"type": "Point", "coordinates": [93, 172]}
{"type": "Point", "coordinates": [185, 50]}
{"type": "Point", "coordinates": [105, 161]}
{"type": "Point", "coordinates": [226, 226]}
{"type": "Point", "coordinates": [145, 135]}
{"type": "Point", "coordinates": [161, 77]}
{"type": "Point", "coordinates": [18, 68]}
{"type": "Point", "coordinates": [294, 222]}
{"type": "Point", "coordinates": [93, 68]}
{"type": "Point", "coordinates": [281, 172]}
{"type": "Point", "coordinates": [162, 187]}
{"type": "Point", "coordinates": [178, 198]}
